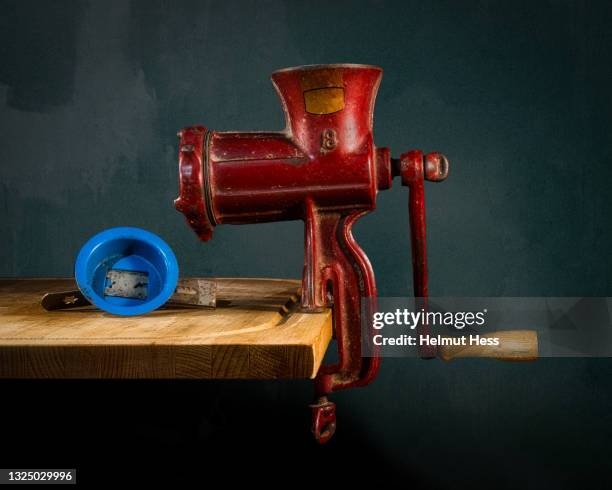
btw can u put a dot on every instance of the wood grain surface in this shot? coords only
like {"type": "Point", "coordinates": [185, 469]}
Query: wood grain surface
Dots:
{"type": "Point", "coordinates": [256, 331]}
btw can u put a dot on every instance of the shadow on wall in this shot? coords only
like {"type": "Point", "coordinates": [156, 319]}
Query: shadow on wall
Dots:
{"type": "Point", "coordinates": [36, 80]}
{"type": "Point", "coordinates": [229, 432]}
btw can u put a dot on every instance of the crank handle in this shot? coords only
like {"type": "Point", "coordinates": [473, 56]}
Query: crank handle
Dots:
{"type": "Point", "coordinates": [513, 345]}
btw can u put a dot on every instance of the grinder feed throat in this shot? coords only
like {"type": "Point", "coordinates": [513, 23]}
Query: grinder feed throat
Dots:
{"type": "Point", "coordinates": [324, 169]}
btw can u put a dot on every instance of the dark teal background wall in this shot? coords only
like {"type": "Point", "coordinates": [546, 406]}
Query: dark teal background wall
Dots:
{"type": "Point", "coordinates": [517, 94]}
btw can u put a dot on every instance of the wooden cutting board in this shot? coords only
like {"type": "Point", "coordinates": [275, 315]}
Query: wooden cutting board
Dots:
{"type": "Point", "coordinates": [256, 332]}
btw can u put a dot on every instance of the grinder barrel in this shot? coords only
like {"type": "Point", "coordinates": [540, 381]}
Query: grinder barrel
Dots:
{"type": "Point", "coordinates": [325, 153]}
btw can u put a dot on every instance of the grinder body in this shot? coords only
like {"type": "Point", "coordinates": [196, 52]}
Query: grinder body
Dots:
{"type": "Point", "coordinates": [327, 156]}
{"type": "Point", "coordinates": [324, 169]}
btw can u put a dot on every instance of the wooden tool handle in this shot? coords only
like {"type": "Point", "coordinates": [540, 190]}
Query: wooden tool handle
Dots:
{"type": "Point", "coordinates": [514, 345]}
{"type": "Point", "coordinates": [63, 300]}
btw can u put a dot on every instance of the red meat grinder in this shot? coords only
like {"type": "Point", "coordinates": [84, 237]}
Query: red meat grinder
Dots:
{"type": "Point", "coordinates": [324, 169]}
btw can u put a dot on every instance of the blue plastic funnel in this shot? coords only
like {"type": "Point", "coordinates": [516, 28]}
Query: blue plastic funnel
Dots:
{"type": "Point", "coordinates": [144, 261]}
